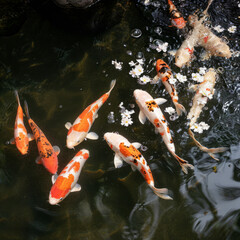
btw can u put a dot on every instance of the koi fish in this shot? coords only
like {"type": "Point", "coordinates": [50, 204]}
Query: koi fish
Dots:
{"type": "Point", "coordinates": [47, 153]}
{"type": "Point", "coordinates": [164, 73]}
{"type": "Point", "coordinates": [177, 19]}
{"type": "Point", "coordinates": [79, 130]}
{"type": "Point", "coordinates": [185, 53]}
{"type": "Point", "coordinates": [21, 137]}
{"type": "Point", "coordinates": [150, 110]}
{"type": "Point", "coordinates": [213, 45]}
{"type": "Point", "coordinates": [66, 182]}
{"type": "Point", "coordinates": [126, 151]}
{"type": "Point", "coordinates": [204, 91]}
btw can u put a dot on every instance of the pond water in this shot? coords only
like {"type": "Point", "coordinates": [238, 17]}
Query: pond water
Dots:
{"type": "Point", "coordinates": [60, 73]}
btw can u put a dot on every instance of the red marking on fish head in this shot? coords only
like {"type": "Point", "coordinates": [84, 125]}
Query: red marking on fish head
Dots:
{"type": "Point", "coordinates": [205, 39]}
{"type": "Point", "coordinates": [189, 50]}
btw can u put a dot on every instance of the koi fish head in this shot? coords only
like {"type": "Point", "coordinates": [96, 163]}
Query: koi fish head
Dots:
{"type": "Point", "coordinates": [183, 56]}
{"type": "Point", "coordinates": [22, 143]}
{"type": "Point", "coordinates": [74, 138]}
{"type": "Point", "coordinates": [113, 140]}
{"type": "Point", "coordinates": [221, 50]}
{"type": "Point", "coordinates": [141, 96]}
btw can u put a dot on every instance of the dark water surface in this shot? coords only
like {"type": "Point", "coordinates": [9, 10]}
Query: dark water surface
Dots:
{"type": "Point", "coordinates": [60, 73]}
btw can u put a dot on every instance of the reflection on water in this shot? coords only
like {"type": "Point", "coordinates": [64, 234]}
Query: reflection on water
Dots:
{"type": "Point", "coordinates": [59, 75]}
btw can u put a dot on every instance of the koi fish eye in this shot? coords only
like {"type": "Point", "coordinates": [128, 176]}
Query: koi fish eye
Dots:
{"type": "Point", "coordinates": [61, 198]}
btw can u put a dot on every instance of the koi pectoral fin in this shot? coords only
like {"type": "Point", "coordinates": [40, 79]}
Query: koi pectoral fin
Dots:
{"type": "Point", "coordinates": [92, 136]}
{"type": "Point", "coordinates": [118, 162]}
{"type": "Point", "coordinates": [68, 125]}
{"type": "Point", "coordinates": [136, 145]}
{"type": "Point", "coordinates": [133, 168]}
{"type": "Point", "coordinates": [155, 80]}
{"type": "Point", "coordinates": [76, 188]}
{"type": "Point", "coordinates": [30, 137]}
{"type": "Point", "coordinates": [162, 193]}
{"type": "Point", "coordinates": [142, 117]}
{"type": "Point", "coordinates": [38, 160]}
{"type": "Point", "coordinates": [180, 109]}
{"type": "Point", "coordinates": [160, 101]}
{"type": "Point", "coordinates": [54, 178]}
{"type": "Point", "coordinates": [12, 141]}
{"type": "Point", "coordinates": [56, 149]}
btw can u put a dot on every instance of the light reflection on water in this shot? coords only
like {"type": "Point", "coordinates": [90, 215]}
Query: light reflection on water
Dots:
{"type": "Point", "coordinates": [59, 75]}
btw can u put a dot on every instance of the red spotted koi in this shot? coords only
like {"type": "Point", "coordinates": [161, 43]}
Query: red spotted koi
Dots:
{"type": "Point", "coordinates": [21, 137]}
{"type": "Point", "coordinates": [150, 110]}
{"type": "Point", "coordinates": [79, 130]}
{"type": "Point", "coordinates": [204, 91]}
{"type": "Point", "coordinates": [66, 182]}
{"type": "Point", "coordinates": [177, 19]}
{"type": "Point", "coordinates": [47, 153]}
{"type": "Point", "coordinates": [126, 151]}
{"type": "Point", "coordinates": [164, 73]}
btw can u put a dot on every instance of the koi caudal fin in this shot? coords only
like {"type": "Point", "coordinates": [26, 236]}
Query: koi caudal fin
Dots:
{"type": "Point", "coordinates": [183, 163]}
{"type": "Point", "coordinates": [210, 151]}
{"type": "Point", "coordinates": [112, 84]}
{"type": "Point", "coordinates": [180, 108]}
{"type": "Point", "coordinates": [17, 97]}
{"type": "Point", "coordinates": [26, 109]}
{"type": "Point", "coordinates": [162, 193]}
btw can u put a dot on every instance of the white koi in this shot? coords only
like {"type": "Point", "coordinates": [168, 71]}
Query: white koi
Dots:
{"type": "Point", "coordinates": [204, 91]}
{"type": "Point", "coordinates": [150, 110]}
{"type": "Point", "coordinates": [126, 151]}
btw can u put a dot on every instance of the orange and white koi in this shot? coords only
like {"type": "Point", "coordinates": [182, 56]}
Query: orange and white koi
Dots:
{"type": "Point", "coordinates": [177, 19]}
{"type": "Point", "coordinates": [79, 130]}
{"type": "Point", "coordinates": [21, 137]}
{"type": "Point", "coordinates": [47, 153]}
{"type": "Point", "coordinates": [150, 110]}
{"type": "Point", "coordinates": [204, 91]}
{"type": "Point", "coordinates": [126, 151]}
{"type": "Point", "coordinates": [66, 182]}
{"type": "Point", "coordinates": [164, 73]}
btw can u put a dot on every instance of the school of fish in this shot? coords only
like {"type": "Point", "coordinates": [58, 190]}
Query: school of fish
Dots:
{"type": "Point", "coordinates": [124, 151]}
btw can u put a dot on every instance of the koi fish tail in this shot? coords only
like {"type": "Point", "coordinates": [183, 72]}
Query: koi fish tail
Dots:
{"type": "Point", "coordinates": [17, 97]}
{"type": "Point", "coordinates": [112, 84]}
{"type": "Point", "coordinates": [183, 163]}
{"type": "Point", "coordinates": [209, 3]}
{"type": "Point", "coordinates": [161, 192]}
{"type": "Point", "coordinates": [210, 151]}
{"type": "Point", "coordinates": [180, 108]}
{"type": "Point", "coordinates": [26, 109]}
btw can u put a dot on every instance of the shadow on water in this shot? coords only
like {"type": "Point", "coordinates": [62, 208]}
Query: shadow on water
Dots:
{"type": "Point", "coordinates": [60, 73]}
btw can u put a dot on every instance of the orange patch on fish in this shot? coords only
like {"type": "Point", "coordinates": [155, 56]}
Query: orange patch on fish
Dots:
{"type": "Point", "coordinates": [75, 166]}
{"type": "Point", "coordinates": [129, 151]}
{"type": "Point", "coordinates": [156, 123]}
{"type": "Point", "coordinates": [105, 97]}
{"type": "Point", "coordinates": [151, 105]}
{"type": "Point", "coordinates": [62, 186]}
{"type": "Point", "coordinates": [189, 50]}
